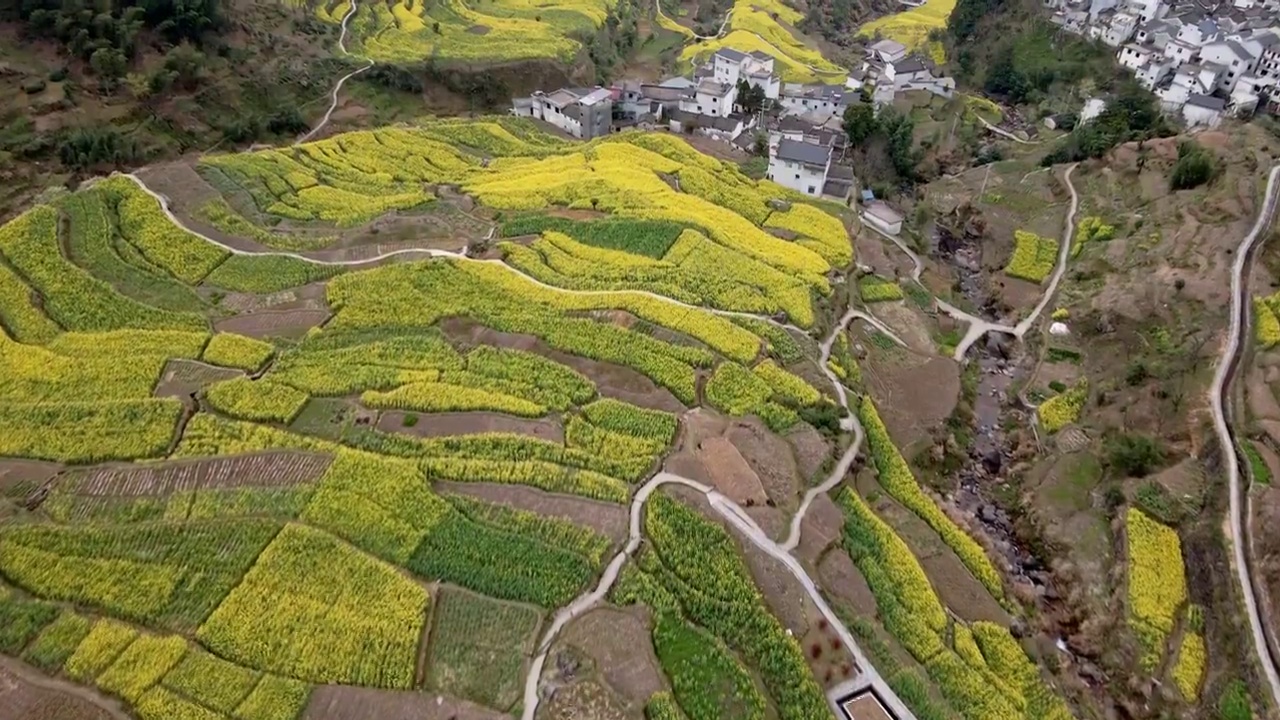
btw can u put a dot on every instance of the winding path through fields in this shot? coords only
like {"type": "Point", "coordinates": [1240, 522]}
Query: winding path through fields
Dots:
{"type": "Point", "coordinates": [722, 505]}
{"type": "Point", "coordinates": [752, 532]}
{"type": "Point", "coordinates": [1217, 401]}
{"type": "Point", "coordinates": [333, 96]}
{"type": "Point", "coordinates": [979, 327]}
{"type": "Point", "coordinates": [450, 254]}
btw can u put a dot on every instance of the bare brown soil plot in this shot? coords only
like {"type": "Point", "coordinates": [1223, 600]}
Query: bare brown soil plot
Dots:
{"type": "Point", "coordinates": [840, 577]}
{"type": "Point", "coordinates": [18, 475]}
{"type": "Point", "coordinates": [913, 393]}
{"type": "Point", "coordinates": [272, 469]}
{"type": "Point", "coordinates": [908, 322]}
{"type": "Point", "coordinates": [180, 378]}
{"type": "Point", "coordinates": [273, 323]}
{"type": "Point", "coordinates": [771, 459]}
{"type": "Point", "coordinates": [822, 525]}
{"type": "Point", "coordinates": [307, 297]}
{"type": "Point", "coordinates": [613, 381]}
{"type": "Point", "coordinates": [342, 702]}
{"type": "Point", "coordinates": [467, 423]}
{"type": "Point", "coordinates": [27, 695]}
{"type": "Point", "coordinates": [811, 450]}
{"type": "Point", "coordinates": [1266, 550]}
{"type": "Point", "coordinates": [607, 519]}
{"type": "Point", "coordinates": [730, 473]}
{"type": "Point", "coordinates": [618, 642]}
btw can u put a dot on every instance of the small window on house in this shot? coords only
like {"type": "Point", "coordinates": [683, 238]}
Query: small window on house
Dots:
{"type": "Point", "coordinates": [797, 176]}
{"type": "Point", "coordinates": [811, 190]}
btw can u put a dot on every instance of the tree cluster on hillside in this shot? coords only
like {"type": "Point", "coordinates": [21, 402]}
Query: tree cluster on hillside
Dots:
{"type": "Point", "coordinates": [881, 144]}
{"type": "Point", "coordinates": [1008, 48]}
{"type": "Point", "coordinates": [106, 34]}
{"type": "Point", "coordinates": [1131, 114]}
{"type": "Point", "coordinates": [837, 21]}
{"type": "Point", "coordinates": [615, 40]}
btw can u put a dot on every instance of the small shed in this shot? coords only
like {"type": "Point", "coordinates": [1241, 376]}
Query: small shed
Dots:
{"type": "Point", "coordinates": [882, 217]}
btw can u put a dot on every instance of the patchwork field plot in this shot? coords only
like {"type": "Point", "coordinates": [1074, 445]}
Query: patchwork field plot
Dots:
{"type": "Point", "coordinates": [411, 31]}
{"type": "Point", "coordinates": [769, 26]}
{"type": "Point", "coordinates": [479, 646]}
{"type": "Point", "coordinates": [912, 27]}
{"type": "Point", "coordinates": [375, 491]}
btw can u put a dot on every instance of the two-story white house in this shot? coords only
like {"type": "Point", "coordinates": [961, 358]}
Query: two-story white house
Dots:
{"type": "Point", "coordinates": [582, 112]}
{"type": "Point", "coordinates": [730, 66]}
{"type": "Point", "coordinates": [1133, 56]}
{"type": "Point", "coordinates": [1149, 10]}
{"type": "Point", "coordinates": [710, 97]}
{"type": "Point", "coordinates": [1120, 29]}
{"type": "Point", "coordinates": [799, 165]}
{"type": "Point", "coordinates": [1190, 79]}
{"type": "Point", "coordinates": [1234, 59]}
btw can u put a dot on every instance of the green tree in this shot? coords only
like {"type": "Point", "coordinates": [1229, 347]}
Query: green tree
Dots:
{"type": "Point", "coordinates": [750, 98]}
{"type": "Point", "coordinates": [859, 123]}
{"type": "Point", "coordinates": [1194, 167]}
{"type": "Point", "coordinates": [1134, 455]}
{"type": "Point", "coordinates": [109, 65]}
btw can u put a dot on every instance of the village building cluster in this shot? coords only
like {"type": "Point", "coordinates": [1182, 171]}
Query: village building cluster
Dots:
{"type": "Point", "coordinates": [1203, 62]}
{"type": "Point", "coordinates": [802, 129]}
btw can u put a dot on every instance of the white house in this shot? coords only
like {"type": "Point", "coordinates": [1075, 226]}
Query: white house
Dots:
{"type": "Point", "coordinates": [726, 127]}
{"type": "Point", "coordinates": [1097, 7]}
{"type": "Point", "coordinates": [582, 112]}
{"type": "Point", "coordinates": [800, 166]}
{"type": "Point", "coordinates": [1248, 92]}
{"type": "Point", "coordinates": [1268, 59]}
{"type": "Point", "coordinates": [1157, 34]}
{"type": "Point", "coordinates": [1154, 73]}
{"type": "Point", "coordinates": [711, 97]}
{"type": "Point", "coordinates": [1134, 56]}
{"type": "Point", "coordinates": [1203, 111]}
{"type": "Point", "coordinates": [1149, 10]}
{"type": "Point", "coordinates": [887, 51]}
{"type": "Point", "coordinates": [1190, 79]}
{"type": "Point", "coordinates": [1234, 59]}
{"type": "Point", "coordinates": [730, 66]}
{"type": "Point", "coordinates": [1181, 52]}
{"type": "Point", "coordinates": [1122, 26]}
{"type": "Point", "coordinates": [912, 73]}
{"type": "Point", "coordinates": [797, 98]}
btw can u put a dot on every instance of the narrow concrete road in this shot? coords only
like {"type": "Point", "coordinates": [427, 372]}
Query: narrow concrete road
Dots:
{"type": "Point", "coordinates": [849, 424]}
{"type": "Point", "coordinates": [1217, 401]}
{"type": "Point", "coordinates": [979, 327]}
{"type": "Point", "coordinates": [918, 266]}
{"type": "Point", "coordinates": [752, 532]}
{"type": "Point", "coordinates": [1005, 133]}
{"type": "Point", "coordinates": [333, 96]}
{"type": "Point", "coordinates": [722, 505]}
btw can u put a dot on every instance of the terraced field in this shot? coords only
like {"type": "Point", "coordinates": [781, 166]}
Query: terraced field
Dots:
{"type": "Point", "coordinates": [768, 26]}
{"type": "Point", "coordinates": [281, 523]}
{"type": "Point", "coordinates": [413, 31]}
